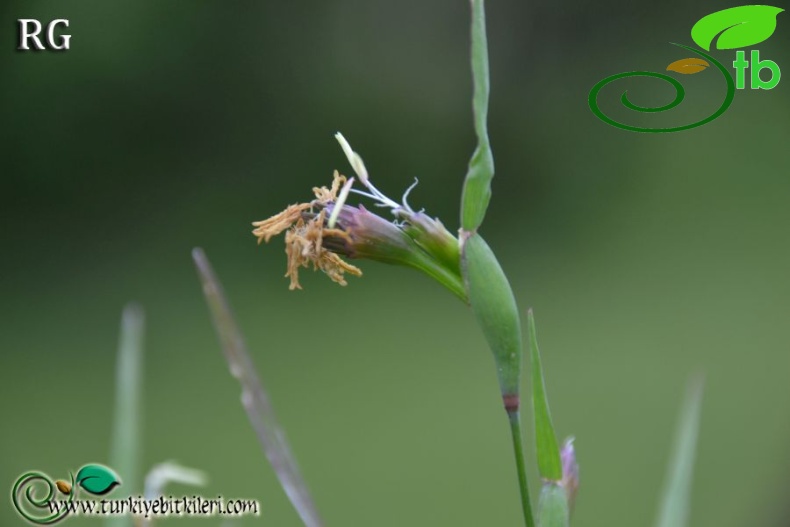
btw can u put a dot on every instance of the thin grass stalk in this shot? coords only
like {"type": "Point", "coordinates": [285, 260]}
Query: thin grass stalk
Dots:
{"type": "Point", "coordinates": [254, 397]}
{"type": "Point", "coordinates": [126, 431]}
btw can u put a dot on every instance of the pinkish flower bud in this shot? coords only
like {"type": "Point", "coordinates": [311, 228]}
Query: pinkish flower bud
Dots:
{"type": "Point", "coordinates": [419, 242]}
{"type": "Point", "coordinates": [570, 471]}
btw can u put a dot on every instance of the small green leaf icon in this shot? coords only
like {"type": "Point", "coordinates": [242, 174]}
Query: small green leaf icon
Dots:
{"type": "Point", "coordinates": [739, 27]}
{"type": "Point", "coordinates": [97, 479]}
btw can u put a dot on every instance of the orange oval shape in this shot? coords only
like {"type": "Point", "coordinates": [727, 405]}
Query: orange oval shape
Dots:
{"type": "Point", "coordinates": [688, 66]}
{"type": "Point", "coordinates": [63, 487]}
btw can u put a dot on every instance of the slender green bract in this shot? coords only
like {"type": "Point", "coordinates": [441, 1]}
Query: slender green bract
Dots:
{"type": "Point", "coordinates": [549, 462]}
{"type": "Point", "coordinates": [676, 501]}
{"type": "Point", "coordinates": [477, 186]}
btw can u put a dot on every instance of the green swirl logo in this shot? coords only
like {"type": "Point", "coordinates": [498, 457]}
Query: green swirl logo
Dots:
{"type": "Point", "coordinates": [732, 28]}
{"type": "Point", "coordinates": [35, 494]}
{"type": "Point", "coordinates": [32, 494]}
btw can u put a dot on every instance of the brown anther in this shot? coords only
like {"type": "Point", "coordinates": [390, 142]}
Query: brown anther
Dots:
{"type": "Point", "coordinates": [304, 239]}
{"type": "Point", "coordinates": [273, 226]}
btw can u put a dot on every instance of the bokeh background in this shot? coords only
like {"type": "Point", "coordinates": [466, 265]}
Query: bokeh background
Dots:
{"type": "Point", "coordinates": [648, 258]}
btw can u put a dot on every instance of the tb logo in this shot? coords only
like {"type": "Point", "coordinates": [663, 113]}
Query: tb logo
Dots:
{"type": "Point", "coordinates": [741, 64]}
{"type": "Point", "coordinates": [30, 29]}
{"type": "Point", "coordinates": [733, 28]}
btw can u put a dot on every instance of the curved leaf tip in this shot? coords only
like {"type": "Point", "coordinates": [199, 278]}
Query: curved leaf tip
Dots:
{"type": "Point", "coordinates": [737, 27]}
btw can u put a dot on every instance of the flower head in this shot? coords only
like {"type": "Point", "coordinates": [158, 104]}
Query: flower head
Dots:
{"type": "Point", "coordinates": [305, 236]}
{"type": "Point", "coordinates": [321, 230]}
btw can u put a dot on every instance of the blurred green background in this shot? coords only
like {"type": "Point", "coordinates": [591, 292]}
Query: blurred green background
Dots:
{"type": "Point", "coordinates": [647, 258]}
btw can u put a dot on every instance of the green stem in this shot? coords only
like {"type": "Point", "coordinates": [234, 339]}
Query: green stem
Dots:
{"type": "Point", "coordinates": [127, 430]}
{"type": "Point", "coordinates": [441, 274]}
{"type": "Point", "coordinates": [515, 431]}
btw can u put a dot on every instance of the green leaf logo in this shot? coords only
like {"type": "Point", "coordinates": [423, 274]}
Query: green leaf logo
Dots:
{"type": "Point", "coordinates": [97, 479]}
{"type": "Point", "coordinates": [739, 27]}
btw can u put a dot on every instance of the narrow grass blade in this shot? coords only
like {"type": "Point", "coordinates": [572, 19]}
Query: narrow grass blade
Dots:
{"type": "Point", "coordinates": [253, 395]}
{"type": "Point", "coordinates": [549, 462]}
{"type": "Point", "coordinates": [477, 186]}
{"type": "Point", "coordinates": [676, 501]}
{"type": "Point", "coordinates": [126, 432]}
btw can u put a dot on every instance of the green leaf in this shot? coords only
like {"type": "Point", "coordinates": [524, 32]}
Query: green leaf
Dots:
{"type": "Point", "coordinates": [740, 27]}
{"type": "Point", "coordinates": [477, 186]}
{"type": "Point", "coordinates": [495, 308]}
{"type": "Point", "coordinates": [676, 500]}
{"type": "Point", "coordinates": [553, 508]}
{"type": "Point", "coordinates": [97, 479]}
{"type": "Point", "coordinates": [549, 461]}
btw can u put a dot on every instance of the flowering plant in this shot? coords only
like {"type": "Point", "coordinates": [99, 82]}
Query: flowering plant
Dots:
{"type": "Point", "coordinates": [328, 230]}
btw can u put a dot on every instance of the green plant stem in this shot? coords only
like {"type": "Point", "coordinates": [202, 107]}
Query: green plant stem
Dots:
{"type": "Point", "coordinates": [515, 430]}
{"type": "Point", "coordinates": [126, 431]}
{"type": "Point", "coordinates": [676, 501]}
{"type": "Point", "coordinates": [441, 274]}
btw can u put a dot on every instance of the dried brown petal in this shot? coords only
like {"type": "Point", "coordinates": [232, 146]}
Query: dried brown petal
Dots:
{"type": "Point", "coordinates": [324, 195]}
{"type": "Point", "coordinates": [273, 226]}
